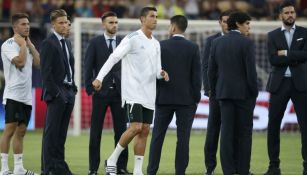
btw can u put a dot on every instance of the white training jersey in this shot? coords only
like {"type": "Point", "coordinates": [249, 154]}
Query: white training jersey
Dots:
{"type": "Point", "coordinates": [141, 66]}
{"type": "Point", "coordinates": [18, 82]}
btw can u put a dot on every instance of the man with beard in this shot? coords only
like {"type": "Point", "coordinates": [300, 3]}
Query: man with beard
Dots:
{"type": "Point", "coordinates": [141, 66]}
{"type": "Point", "coordinates": [96, 55]}
{"type": "Point", "coordinates": [287, 49]}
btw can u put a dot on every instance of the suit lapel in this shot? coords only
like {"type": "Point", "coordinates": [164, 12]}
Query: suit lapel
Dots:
{"type": "Point", "coordinates": [71, 55]}
{"type": "Point", "coordinates": [57, 43]}
{"type": "Point", "coordinates": [104, 46]}
{"type": "Point", "coordinates": [59, 47]}
{"type": "Point", "coordinates": [117, 41]}
{"type": "Point", "coordinates": [295, 37]}
{"type": "Point", "coordinates": [281, 35]}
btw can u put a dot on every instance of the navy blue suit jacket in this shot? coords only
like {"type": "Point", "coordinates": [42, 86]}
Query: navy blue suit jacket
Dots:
{"type": "Point", "coordinates": [96, 55]}
{"type": "Point", "coordinates": [180, 58]}
{"type": "Point", "coordinates": [232, 68]}
{"type": "Point", "coordinates": [205, 61]}
{"type": "Point", "coordinates": [296, 59]}
{"type": "Point", "coordinates": [53, 67]}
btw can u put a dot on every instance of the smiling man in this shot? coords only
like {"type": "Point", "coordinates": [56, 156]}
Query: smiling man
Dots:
{"type": "Point", "coordinates": [141, 66]}
{"type": "Point", "coordinates": [287, 49]}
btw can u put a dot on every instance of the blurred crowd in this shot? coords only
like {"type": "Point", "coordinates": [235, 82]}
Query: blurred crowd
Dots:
{"type": "Point", "coordinates": [39, 10]}
{"type": "Point", "coordinates": [194, 9]}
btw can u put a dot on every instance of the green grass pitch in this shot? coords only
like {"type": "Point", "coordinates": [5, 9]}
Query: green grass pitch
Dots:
{"type": "Point", "coordinates": [77, 153]}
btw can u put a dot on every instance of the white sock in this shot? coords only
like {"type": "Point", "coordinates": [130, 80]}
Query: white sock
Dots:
{"type": "Point", "coordinates": [4, 162]}
{"type": "Point", "coordinates": [138, 163]}
{"type": "Point", "coordinates": [18, 164]}
{"type": "Point", "coordinates": [112, 160]}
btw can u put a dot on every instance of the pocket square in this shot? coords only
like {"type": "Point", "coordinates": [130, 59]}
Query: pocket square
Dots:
{"type": "Point", "coordinates": [299, 39]}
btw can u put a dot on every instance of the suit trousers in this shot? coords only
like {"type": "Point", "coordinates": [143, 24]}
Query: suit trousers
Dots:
{"type": "Point", "coordinates": [213, 132]}
{"type": "Point", "coordinates": [54, 137]}
{"type": "Point", "coordinates": [99, 108]}
{"type": "Point", "coordinates": [236, 121]}
{"type": "Point", "coordinates": [184, 120]}
{"type": "Point", "coordinates": [278, 104]}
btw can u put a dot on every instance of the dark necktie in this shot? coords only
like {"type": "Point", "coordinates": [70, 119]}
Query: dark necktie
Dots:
{"type": "Point", "coordinates": [110, 45]}
{"type": "Point", "coordinates": [67, 70]}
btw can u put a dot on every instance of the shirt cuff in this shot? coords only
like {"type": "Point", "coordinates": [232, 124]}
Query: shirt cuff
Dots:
{"type": "Point", "coordinates": [159, 76]}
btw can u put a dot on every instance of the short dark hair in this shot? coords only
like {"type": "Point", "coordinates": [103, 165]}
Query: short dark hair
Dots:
{"type": "Point", "coordinates": [18, 16]}
{"type": "Point", "coordinates": [225, 13]}
{"type": "Point", "coordinates": [286, 3]}
{"type": "Point", "coordinates": [145, 10]}
{"type": "Point", "coordinates": [56, 14]}
{"type": "Point", "coordinates": [180, 21]}
{"type": "Point", "coordinates": [237, 17]}
{"type": "Point", "coordinates": [69, 20]}
{"type": "Point", "coordinates": [108, 14]}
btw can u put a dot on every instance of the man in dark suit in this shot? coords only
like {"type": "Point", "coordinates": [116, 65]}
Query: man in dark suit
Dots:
{"type": "Point", "coordinates": [180, 57]}
{"type": "Point", "coordinates": [96, 55]}
{"type": "Point", "coordinates": [233, 81]}
{"type": "Point", "coordinates": [214, 119]}
{"type": "Point", "coordinates": [59, 89]}
{"type": "Point", "coordinates": [287, 48]}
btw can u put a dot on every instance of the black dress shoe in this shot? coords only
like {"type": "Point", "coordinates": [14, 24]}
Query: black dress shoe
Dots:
{"type": "Point", "coordinates": [209, 173]}
{"type": "Point", "coordinates": [92, 173]}
{"type": "Point", "coordinates": [273, 171]}
{"type": "Point", "coordinates": [123, 171]}
{"type": "Point", "coordinates": [249, 173]}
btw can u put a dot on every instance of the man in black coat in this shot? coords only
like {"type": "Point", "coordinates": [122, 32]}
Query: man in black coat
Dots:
{"type": "Point", "coordinates": [96, 55]}
{"type": "Point", "coordinates": [59, 89]}
{"type": "Point", "coordinates": [287, 49]}
{"type": "Point", "coordinates": [233, 81]}
{"type": "Point", "coordinates": [214, 119]}
{"type": "Point", "coordinates": [180, 57]}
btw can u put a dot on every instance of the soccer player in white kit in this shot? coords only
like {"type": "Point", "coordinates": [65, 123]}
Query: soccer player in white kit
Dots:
{"type": "Point", "coordinates": [18, 54]}
{"type": "Point", "coordinates": [141, 66]}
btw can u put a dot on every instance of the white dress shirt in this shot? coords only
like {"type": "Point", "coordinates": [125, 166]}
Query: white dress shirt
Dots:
{"type": "Point", "coordinates": [67, 53]}
{"type": "Point", "coordinates": [289, 37]}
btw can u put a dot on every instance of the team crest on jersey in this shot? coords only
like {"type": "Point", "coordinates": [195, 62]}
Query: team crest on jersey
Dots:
{"type": "Point", "coordinates": [10, 41]}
